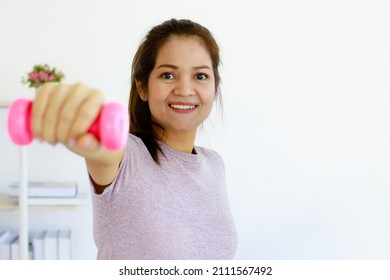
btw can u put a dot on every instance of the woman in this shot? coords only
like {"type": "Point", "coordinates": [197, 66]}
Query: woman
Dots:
{"type": "Point", "coordinates": [160, 197]}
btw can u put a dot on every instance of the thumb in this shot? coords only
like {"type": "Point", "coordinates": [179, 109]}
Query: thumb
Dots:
{"type": "Point", "coordinates": [83, 144]}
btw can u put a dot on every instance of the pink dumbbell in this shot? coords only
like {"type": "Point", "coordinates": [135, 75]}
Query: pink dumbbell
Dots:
{"type": "Point", "coordinates": [110, 128]}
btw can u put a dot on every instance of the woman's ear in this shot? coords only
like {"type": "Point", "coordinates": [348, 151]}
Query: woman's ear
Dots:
{"type": "Point", "coordinates": [141, 91]}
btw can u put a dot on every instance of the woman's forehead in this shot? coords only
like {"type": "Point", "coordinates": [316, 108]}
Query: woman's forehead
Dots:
{"type": "Point", "coordinates": [184, 49]}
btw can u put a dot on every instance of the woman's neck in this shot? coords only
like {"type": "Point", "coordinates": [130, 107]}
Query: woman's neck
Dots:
{"type": "Point", "coordinates": [181, 141]}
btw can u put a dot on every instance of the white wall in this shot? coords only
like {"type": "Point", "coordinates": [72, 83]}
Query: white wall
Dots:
{"type": "Point", "coordinates": [305, 131]}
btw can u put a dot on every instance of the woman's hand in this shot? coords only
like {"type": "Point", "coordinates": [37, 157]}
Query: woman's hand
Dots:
{"type": "Point", "coordinates": [63, 113]}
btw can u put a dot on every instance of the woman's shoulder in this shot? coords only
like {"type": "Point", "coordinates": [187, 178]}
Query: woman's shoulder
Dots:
{"type": "Point", "coordinates": [135, 144]}
{"type": "Point", "coordinates": [135, 149]}
{"type": "Point", "coordinates": [132, 139]}
{"type": "Point", "coordinates": [208, 153]}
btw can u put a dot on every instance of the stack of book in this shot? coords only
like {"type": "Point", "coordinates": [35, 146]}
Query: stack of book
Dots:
{"type": "Point", "coordinates": [46, 189]}
{"type": "Point", "coordinates": [51, 245]}
{"type": "Point", "coordinates": [46, 245]}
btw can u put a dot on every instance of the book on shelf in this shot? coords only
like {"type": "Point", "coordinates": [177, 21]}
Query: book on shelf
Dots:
{"type": "Point", "coordinates": [15, 249]}
{"type": "Point", "coordinates": [37, 243]}
{"type": "Point", "coordinates": [64, 245]}
{"type": "Point", "coordinates": [50, 245]}
{"type": "Point", "coordinates": [46, 189]}
{"type": "Point", "coordinates": [3, 236]}
{"type": "Point", "coordinates": [6, 239]}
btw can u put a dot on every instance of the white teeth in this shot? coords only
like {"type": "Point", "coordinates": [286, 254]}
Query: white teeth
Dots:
{"type": "Point", "coordinates": [183, 107]}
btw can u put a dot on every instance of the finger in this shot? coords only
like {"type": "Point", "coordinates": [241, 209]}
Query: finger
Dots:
{"type": "Point", "coordinates": [50, 119]}
{"type": "Point", "coordinates": [38, 109]}
{"type": "Point", "coordinates": [78, 96]}
{"type": "Point", "coordinates": [84, 144]}
{"type": "Point", "coordinates": [87, 112]}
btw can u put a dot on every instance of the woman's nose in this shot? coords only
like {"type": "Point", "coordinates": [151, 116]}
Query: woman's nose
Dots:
{"type": "Point", "coordinates": [184, 88]}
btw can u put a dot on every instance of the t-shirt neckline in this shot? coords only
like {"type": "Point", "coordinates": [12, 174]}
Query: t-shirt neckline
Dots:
{"type": "Point", "coordinates": [191, 158]}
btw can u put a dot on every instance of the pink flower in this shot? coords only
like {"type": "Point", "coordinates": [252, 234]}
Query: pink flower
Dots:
{"type": "Point", "coordinates": [43, 76]}
{"type": "Point", "coordinates": [33, 76]}
{"type": "Point", "coordinates": [50, 78]}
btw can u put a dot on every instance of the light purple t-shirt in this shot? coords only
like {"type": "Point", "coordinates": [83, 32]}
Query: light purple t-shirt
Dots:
{"type": "Point", "coordinates": [176, 210]}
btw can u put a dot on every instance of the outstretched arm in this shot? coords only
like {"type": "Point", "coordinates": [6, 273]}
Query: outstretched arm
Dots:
{"type": "Point", "coordinates": [63, 113]}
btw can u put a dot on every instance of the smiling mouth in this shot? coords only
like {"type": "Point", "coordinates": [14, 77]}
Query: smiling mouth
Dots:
{"type": "Point", "coordinates": [183, 107]}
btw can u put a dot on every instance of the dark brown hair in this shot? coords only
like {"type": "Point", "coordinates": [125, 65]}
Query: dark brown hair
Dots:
{"type": "Point", "coordinates": [141, 123]}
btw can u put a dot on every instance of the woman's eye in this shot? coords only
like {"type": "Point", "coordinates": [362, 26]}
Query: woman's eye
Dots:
{"type": "Point", "coordinates": [201, 76]}
{"type": "Point", "coordinates": [167, 76]}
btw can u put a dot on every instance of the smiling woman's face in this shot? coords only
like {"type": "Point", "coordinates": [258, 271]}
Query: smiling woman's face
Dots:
{"type": "Point", "coordinates": [181, 87]}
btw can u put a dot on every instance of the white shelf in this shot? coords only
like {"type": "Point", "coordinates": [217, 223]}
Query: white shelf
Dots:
{"type": "Point", "coordinates": [4, 104]}
{"type": "Point", "coordinates": [23, 205]}
{"type": "Point", "coordinates": [11, 203]}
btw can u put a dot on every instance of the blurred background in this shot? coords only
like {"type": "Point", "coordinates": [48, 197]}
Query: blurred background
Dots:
{"type": "Point", "coordinates": [304, 127]}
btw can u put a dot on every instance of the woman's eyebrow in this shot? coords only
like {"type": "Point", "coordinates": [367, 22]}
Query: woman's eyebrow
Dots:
{"type": "Point", "coordinates": [201, 67]}
{"type": "Point", "coordinates": [168, 66]}
{"type": "Point", "coordinates": [175, 67]}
